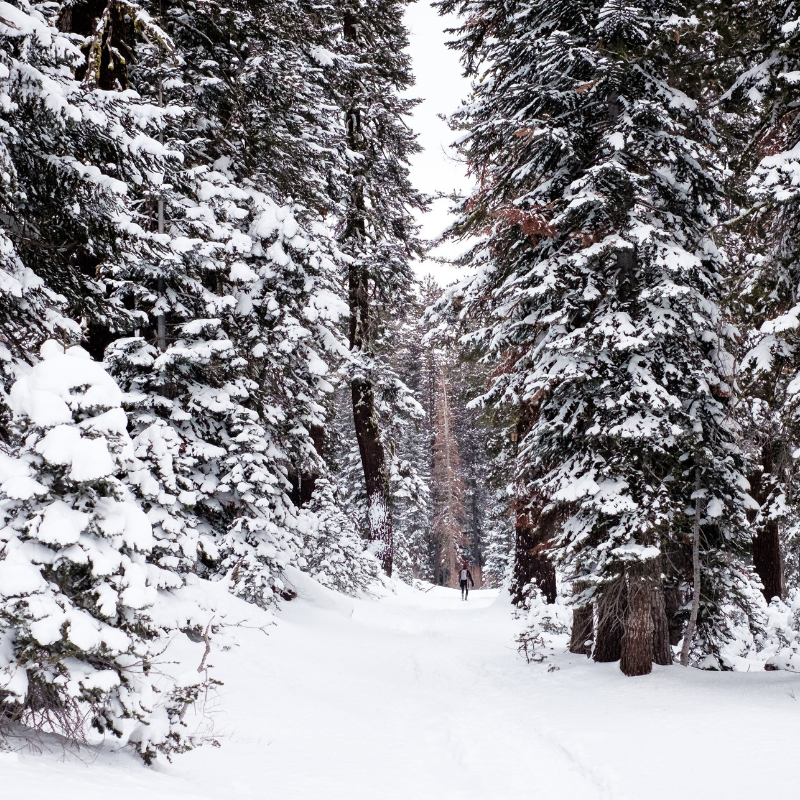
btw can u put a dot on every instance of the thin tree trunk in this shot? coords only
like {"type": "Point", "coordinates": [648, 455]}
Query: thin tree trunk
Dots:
{"type": "Point", "coordinates": [161, 319]}
{"type": "Point", "coordinates": [637, 641]}
{"type": "Point", "coordinates": [609, 626]}
{"type": "Point", "coordinates": [692, 624]}
{"type": "Point", "coordinates": [582, 624]}
{"type": "Point", "coordinates": [370, 446]}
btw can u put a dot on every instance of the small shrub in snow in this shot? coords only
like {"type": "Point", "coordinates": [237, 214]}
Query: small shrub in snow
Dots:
{"type": "Point", "coordinates": [78, 634]}
{"type": "Point", "coordinates": [546, 626]}
{"type": "Point", "coordinates": [334, 552]}
{"type": "Point", "coordinates": [780, 642]}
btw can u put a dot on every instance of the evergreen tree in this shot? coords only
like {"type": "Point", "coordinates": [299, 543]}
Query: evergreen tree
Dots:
{"type": "Point", "coordinates": [600, 288]}
{"type": "Point", "coordinates": [229, 374]}
{"type": "Point", "coordinates": [378, 236]}
{"type": "Point", "coordinates": [765, 296]}
{"type": "Point", "coordinates": [79, 595]}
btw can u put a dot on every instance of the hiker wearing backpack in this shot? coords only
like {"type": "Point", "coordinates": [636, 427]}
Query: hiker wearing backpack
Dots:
{"type": "Point", "coordinates": [464, 579]}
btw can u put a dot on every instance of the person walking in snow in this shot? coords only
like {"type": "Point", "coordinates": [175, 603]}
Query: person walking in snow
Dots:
{"type": "Point", "coordinates": [465, 578]}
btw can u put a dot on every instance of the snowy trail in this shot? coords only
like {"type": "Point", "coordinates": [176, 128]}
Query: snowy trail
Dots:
{"type": "Point", "coordinates": [421, 696]}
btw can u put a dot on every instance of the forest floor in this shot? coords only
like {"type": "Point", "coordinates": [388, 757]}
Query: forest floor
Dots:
{"type": "Point", "coordinates": [420, 696]}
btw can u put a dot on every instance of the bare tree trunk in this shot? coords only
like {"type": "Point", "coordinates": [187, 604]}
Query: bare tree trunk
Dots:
{"type": "Point", "coordinates": [161, 320]}
{"type": "Point", "coordinates": [610, 618]}
{"type": "Point", "coordinates": [449, 515]}
{"type": "Point", "coordinates": [692, 624]}
{"type": "Point", "coordinates": [637, 641]}
{"type": "Point", "coordinates": [582, 624]}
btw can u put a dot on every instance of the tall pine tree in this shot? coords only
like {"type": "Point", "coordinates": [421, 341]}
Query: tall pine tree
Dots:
{"type": "Point", "coordinates": [599, 285]}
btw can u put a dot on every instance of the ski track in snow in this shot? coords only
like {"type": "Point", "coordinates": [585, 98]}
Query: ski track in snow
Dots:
{"type": "Point", "coordinates": [420, 696]}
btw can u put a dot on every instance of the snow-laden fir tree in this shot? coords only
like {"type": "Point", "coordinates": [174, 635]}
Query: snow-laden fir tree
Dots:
{"type": "Point", "coordinates": [192, 256]}
{"type": "Point", "coordinates": [407, 419]}
{"type": "Point", "coordinates": [378, 235]}
{"type": "Point", "coordinates": [77, 144]}
{"type": "Point", "coordinates": [80, 598]}
{"type": "Point", "coordinates": [228, 376]}
{"type": "Point", "coordinates": [406, 443]}
{"type": "Point", "coordinates": [765, 296]}
{"type": "Point", "coordinates": [598, 283]}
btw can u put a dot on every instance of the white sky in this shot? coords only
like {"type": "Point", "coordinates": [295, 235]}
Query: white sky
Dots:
{"type": "Point", "coordinates": [440, 83]}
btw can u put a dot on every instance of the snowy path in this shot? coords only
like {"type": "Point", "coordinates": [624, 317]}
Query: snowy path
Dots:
{"type": "Point", "coordinates": [422, 696]}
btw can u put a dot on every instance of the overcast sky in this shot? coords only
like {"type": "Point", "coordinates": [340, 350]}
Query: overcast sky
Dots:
{"type": "Point", "coordinates": [440, 83]}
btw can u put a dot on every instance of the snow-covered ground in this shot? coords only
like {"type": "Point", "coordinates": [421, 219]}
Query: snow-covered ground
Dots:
{"type": "Point", "coordinates": [418, 695]}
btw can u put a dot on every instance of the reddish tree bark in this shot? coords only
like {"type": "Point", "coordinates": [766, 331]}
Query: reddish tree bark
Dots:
{"type": "Point", "coordinates": [533, 532]}
{"type": "Point", "coordinates": [531, 560]}
{"type": "Point", "coordinates": [449, 515]}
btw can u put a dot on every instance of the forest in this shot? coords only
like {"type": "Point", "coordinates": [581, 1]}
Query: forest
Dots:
{"type": "Point", "coordinates": [226, 384]}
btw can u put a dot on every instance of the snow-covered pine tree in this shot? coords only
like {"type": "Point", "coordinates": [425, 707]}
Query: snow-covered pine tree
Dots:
{"type": "Point", "coordinates": [29, 311]}
{"type": "Point", "coordinates": [170, 231]}
{"type": "Point", "coordinates": [765, 297]}
{"type": "Point", "coordinates": [406, 418]}
{"type": "Point", "coordinates": [406, 437]}
{"type": "Point", "coordinates": [78, 145]}
{"type": "Point", "coordinates": [228, 376]}
{"type": "Point", "coordinates": [599, 285]}
{"type": "Point", "coordinates": [79, 596]}
{"type": "Point", "coordinates": [378, 235]}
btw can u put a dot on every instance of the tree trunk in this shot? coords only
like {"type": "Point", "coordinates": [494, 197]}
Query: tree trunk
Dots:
{"type": "Point", "coordinates": [376, 477]}
{"type": "Point", "coordinates": [662, 650]}
{"type": "Point", "coordinates": [672, 604]}
{"type": "Point", "coordinates": [370, 446]}
{"type": "Point", "coordinates": [637, 641]}
{"type": "Point", "coordinates": [767, 558]}
{"type": "Point", "coordinates": [688, 635]}
{"type": "Point", "coordinates": [532, 534]}
{"type": "Point", "coordinates": [304, 483]}
{"type": "Point", "coordinates": [449, 515]}
{"type": "Point", "coordinates": [610, 615]}
{"type": "Point", "coordinates": [582, 624]}
{"type": "Point", "coordinates": [531, 561]}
